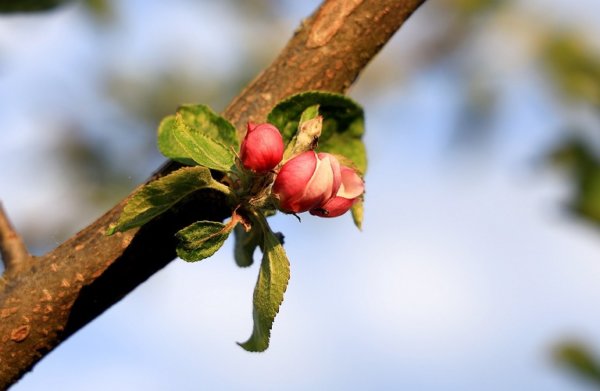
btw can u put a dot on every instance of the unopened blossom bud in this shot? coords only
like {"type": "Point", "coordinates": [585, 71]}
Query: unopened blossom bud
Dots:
{"type": "Point", "coordinates": [351, 188]}
{"type": "Point", "coordinates": [262, 148]}
{"type": "Point", "coordinates": [307, 181]}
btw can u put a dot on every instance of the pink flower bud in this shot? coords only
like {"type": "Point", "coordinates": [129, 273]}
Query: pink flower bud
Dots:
{"type": "Point", "coordinates": [307, 181]}
{"type": "Point", "coordinates": [351, 188]}
{"type": "Point", "coordinates": [262, 148]}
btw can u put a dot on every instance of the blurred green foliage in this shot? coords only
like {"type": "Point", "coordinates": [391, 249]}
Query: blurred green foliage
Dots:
{"type": "Point", "coordinates": [583, 166]}
{"type": "Point", "coordinates": [574, 67]}
{"type": "Point", "coordinates": [470, 8]}
{"type": "Point", "coordinates": [580, 360]}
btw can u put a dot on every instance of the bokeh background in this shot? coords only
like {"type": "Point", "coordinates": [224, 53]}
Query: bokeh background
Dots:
{"type": "Point", "coordinates": [478, 267]}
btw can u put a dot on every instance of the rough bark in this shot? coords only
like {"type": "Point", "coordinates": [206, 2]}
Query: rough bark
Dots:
{"type": "Point", "coordinates": [68, 287]}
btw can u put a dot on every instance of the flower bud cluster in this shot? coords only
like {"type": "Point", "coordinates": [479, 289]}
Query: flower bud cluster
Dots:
{"type": "Point", "coordinates": [308, 182]}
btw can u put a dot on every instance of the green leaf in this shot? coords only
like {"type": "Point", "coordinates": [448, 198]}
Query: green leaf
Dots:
{"type": "Point", "coordinates": [245, 245]}
{"type": "Point", "coordinates": [201, 148]}
{"type": "Point", "coordinates": [268, 294]}
{"type": "Point", "coordinates": [202, 239]}
{"type": "Point", "coordinates": [203, 120]}
{"type": "Point", "coordinates": [309, 113]}
{"type": "Point", "coordinates": [357, 213]}
{"type": "Point", "coordinates": [168, 145]}
{"type": "Point", "coordinates": [351, 148]}
{"type": "Point", "coordinates": [343, 123]}
{"type": "Point", "coordinates": [158, 196]}
{"type": "Point", "coordinates": [196, 133]}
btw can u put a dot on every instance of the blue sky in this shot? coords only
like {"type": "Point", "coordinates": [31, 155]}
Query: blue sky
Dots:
{"type": "Point", "coordinates": [465, 275]}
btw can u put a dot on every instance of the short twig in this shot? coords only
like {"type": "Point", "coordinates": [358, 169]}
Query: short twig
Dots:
{"type": "Point", "coordinates": [12, 249]}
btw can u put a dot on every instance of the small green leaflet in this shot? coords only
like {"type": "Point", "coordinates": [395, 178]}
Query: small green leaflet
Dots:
{"type": "Point", "coordinates": [357, 213]}
{"type": "Point", "coordinates": [272, 282]}
{"type": "Point", "coordinates": [197, 134]}
{"type": "Point", "coordinates": [308, 133]}
{"type": "Point", "coordinates": [309, 113]}
{"type": "Point", "coordinates": [202, 239]}
{"type": "Point", "coordinates": [158, 196]}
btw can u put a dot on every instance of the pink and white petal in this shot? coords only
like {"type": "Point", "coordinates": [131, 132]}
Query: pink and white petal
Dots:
{"type": "Point", "coordinates": [334, 207]}
{"type": "Point", "coordinates": [352, 184]}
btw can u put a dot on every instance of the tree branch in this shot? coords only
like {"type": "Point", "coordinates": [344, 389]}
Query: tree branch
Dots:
{"type": "Point", "coordinates": [71, 285]}
{"type": "Point", "coordinates": [12, 249]}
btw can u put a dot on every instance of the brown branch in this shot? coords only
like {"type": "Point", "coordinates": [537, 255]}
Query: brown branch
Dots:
{"type": "Point", "coordinates": [81, 278]}
{"type": "Point", "coordinates": [12, 248]}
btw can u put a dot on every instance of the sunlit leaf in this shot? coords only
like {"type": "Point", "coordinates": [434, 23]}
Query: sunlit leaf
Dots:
{"type": "Point", "coordinates": [197, 134]}
{"type": "Point", "coordinates": [158, 196]}
{"type": "Point", "coordinates": [168, 144]}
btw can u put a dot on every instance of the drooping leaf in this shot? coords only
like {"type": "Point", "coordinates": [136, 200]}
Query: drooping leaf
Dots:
{"type": "Point", "coordinates": [201, 239]}
{"type": "Point", "coordinates": [343, 123]}
{"type": "Point", "coordinates": [272, 282]}
{"type": "Point", "coordinates": [245, 245]}
{"type": "Point", "coordinates": [196, 133]}
{"type": "Point", "coordinates": [158, 196]}
{"type": "Point", "coordinates": [357, 213]}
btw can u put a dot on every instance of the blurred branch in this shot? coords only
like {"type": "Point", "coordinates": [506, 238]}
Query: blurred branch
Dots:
{"type": "Point", "coordinates": [14, 253]}
{"type": "Point", "coordinates": [14, 6]}
{"type": "Point", "coordinates": [81, 278]}
{"type": "Point", "coordinates": [98, 8]}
